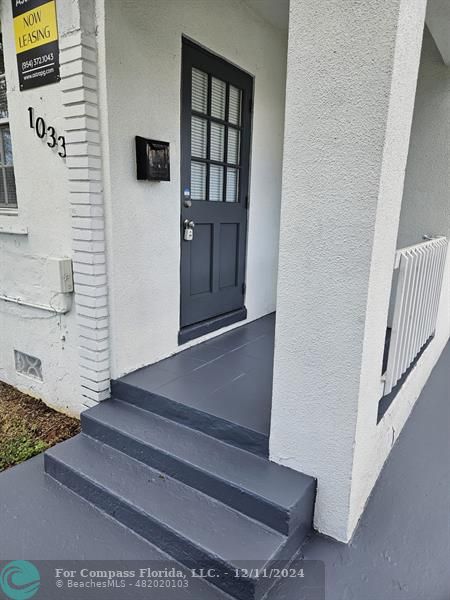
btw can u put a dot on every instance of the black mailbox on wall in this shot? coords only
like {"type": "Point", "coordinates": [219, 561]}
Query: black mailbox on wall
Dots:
{"type": "Point", "coordinates": [152, 160]}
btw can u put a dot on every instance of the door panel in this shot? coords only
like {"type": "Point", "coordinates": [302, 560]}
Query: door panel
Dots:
{"type": "Point", "coordinates": [229, 256]}
{"type": "Point", "coordinates": [215, 148]}
{"type": "Point", "coordinates": [201, 264]}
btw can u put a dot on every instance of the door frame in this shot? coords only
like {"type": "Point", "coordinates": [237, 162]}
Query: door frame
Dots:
{"type": "Point", "coordinates": [219, 67]}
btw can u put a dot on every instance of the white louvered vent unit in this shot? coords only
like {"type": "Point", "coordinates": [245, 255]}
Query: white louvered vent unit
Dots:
{"type": "Point", "coordinates": [417, 294]}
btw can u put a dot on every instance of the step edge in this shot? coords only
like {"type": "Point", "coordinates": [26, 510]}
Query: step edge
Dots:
{"type": "Point", "coordinates": [149, 443]}
{"type": "Point", "coordinates": [172, 422]}
{"type": "Point", "coordinates": [51, 460]}
{"type": "Point", "coordinates": [281, 512]}
{"type": "Point", "coordinates": [307, 480]}
{"type": "Point", "coordinates": [259, 443]}
{"type": "Point", "coordinates": [289, 519]}
{"type": "Point", "coordinates": [62, 461]}
{"type": "Point", "coordinates": [175, 403]}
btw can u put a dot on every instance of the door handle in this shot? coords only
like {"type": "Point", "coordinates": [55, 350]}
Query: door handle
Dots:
{"type": "Point", "coordinates": [188, 230]}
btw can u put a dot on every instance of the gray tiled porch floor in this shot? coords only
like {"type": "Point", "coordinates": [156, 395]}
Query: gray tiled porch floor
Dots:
{"type": "Point", "coordinates": [229, 376]}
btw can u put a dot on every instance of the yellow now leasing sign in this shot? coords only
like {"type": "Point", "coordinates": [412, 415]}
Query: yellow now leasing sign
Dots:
{"type": "Point", "coordinates": [36, 38]}
{"type": "Point", "coordinates": [36, 27]}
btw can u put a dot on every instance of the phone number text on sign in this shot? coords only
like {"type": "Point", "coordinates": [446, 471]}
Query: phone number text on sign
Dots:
{"type": "Point", "coordinates": [38, 61]}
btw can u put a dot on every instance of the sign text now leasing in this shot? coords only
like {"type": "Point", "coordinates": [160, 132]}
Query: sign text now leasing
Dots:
{"type": "Point", "coordinates": [36, 37]}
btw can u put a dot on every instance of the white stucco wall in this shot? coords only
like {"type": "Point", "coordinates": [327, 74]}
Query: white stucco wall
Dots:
{"type": "Point", "coordinates": [425, 209]}
{"type": "Point", "coordinates": [426, 196]}
{"type": "Point", "coordinates": [142, 92]}
{"type": "Point", "coordinates": [351, 80]}
{"type": "Point", "coordinates": [44, 211]}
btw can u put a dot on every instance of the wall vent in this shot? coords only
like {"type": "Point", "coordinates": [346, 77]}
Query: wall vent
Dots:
{"type": "Point", "coordinates": [28, 365]}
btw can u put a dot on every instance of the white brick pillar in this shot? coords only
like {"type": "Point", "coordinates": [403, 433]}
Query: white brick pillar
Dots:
{"type": "Point", "coordinates": [351, 79]}
{"type": "Point", "coordinates": [84, 169]}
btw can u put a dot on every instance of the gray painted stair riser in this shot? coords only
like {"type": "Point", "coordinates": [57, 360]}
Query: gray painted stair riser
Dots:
{"type": "Point", "coordinates": [181, 549]}
{"type": "Point", "coordinates": [283, 519]}
{"type": "Point", "coordinates": [226, 431]}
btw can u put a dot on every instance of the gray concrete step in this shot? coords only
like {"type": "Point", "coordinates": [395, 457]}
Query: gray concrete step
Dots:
{"type": "Point", "coordinates": [222, 387]}
{"type": "Point", "coordinates": [62, 526]}
{"type": "Point", "coordinates": [193, 528]}
{"type": "Point", "coordinates": [277, 496]}
{"type": "Point", "coordinates": [193, 415]}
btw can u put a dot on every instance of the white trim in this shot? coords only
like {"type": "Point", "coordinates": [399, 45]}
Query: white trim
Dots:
{"type": "Point", "coordinates": [13, 230]}
{"type": "Point", "coordinates": [84, 168]}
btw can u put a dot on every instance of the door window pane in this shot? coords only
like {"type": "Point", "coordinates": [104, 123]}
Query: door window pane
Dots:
{"type": "Point", "coordinates": [234, 109]}
{"type": "Point", "coordinates": [198, 181]}
{"type": "Point", "coordinates": [215, 183]}
{"type": "Point", "coordinates": [199, 91]}
{"type": "Point", "coordinates": [214, 141]}
{"type": "Point", "coordinates": [198, 137]}
{"type": "Point", "coordinates": [233, 146]}
{"type": "Point", "coordinates": [232, 185]}
{"type": "Point", "coordinates": [218, 96]}
{"type": "Point", "coordinates": [217, 141]}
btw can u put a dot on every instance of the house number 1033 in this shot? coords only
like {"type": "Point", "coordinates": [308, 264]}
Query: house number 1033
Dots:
{"type": "Point", "coordinates": [48, 132]}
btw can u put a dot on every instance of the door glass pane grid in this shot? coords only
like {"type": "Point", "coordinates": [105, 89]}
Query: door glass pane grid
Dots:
{"type": "Point", "coordinates": [199, 91]}
{"type": "Point", "coordinates": [199, 137]}
{"type": "Point", "coordinates": [235, 100]}
{"type": "Point", "coordinates": [233, 146]}
{"type": "Point", "coordinates": [218, 98]}
{"type": "Point", "coordinates": [232, 188]}
{"type": "Point", "coordinates": [216, 183]}
{"type": "Point", "coordinates": [198, 180]}
{"type": "Point", "coordinates": [215, 142]}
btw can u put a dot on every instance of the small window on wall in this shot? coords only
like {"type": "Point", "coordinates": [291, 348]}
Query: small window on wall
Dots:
{"type": "Point", "coordinates": [8, 197]}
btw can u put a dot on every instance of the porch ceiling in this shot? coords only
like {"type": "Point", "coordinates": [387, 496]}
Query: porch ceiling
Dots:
{"type": "Point", "coordinates": [274, 12]}
{"type": "Point", "coordinates": [438, 22]}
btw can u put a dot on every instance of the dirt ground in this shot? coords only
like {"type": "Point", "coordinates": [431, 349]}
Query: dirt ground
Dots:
{"type": "Point", "coordinates": [28, 426]}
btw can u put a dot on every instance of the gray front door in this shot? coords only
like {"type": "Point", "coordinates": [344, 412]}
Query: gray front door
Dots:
{"type": "Point", "coordinates": [215, 137]}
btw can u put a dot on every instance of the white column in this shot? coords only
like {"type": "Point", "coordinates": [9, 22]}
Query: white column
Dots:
{"type": "Point", "coordinates": [79, 80]}
{"type": "Point", "coordinates": [352, 72]}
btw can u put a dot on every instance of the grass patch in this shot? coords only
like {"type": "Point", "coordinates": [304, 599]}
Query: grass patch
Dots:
{"type": "Point", "coordinates": [28, 426]}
